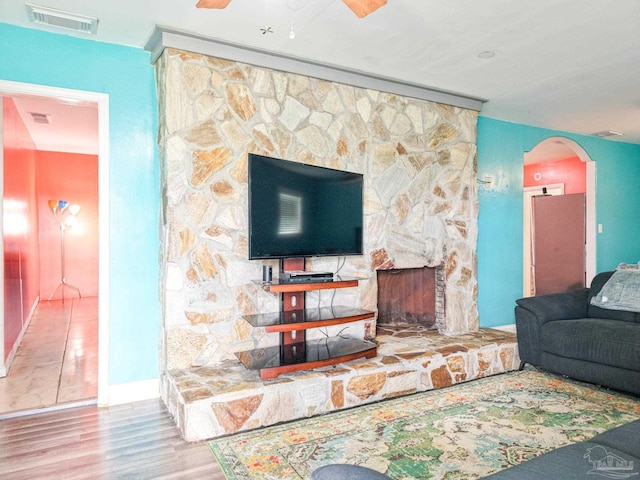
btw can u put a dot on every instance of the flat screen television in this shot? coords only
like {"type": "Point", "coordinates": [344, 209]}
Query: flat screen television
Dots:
{"type": "Point", "coordinates": [299, 210]}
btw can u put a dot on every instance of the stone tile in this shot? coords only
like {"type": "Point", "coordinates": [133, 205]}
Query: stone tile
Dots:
{"type": "Point", "coordinates": [82, 372]}
{"type": "Point", "coordinates": [36, 359]}
{"type": "Point", "coordinates": [46, 370]}
{"type": "Point", "coordinates": [29, 387]}
{"type": "Point", "coordinates": [77, 393]}
{"type": "Point", "coordinates": [42, 345]}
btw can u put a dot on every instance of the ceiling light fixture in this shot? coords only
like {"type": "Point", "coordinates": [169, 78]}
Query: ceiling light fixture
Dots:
{"type": "Point", "coordinates": [58, 18]}
{"type": "Point", "coordinates": [268, 28]}
{"type": "Point", "coordinates": [487, 54]}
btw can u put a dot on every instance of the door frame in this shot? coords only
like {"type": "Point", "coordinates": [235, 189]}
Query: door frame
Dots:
{"type": "Point", "coordinates": [9, 89]}
{"type": "Point", "coordinates": [590, 194]}
{"type": "Point", "coordinates": [528, 194]}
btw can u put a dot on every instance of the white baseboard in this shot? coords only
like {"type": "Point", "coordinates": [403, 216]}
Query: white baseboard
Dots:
{"type": "Point", "coordinates": [133, 392]}
{"type": "Point", "coordinates": [511, 328]}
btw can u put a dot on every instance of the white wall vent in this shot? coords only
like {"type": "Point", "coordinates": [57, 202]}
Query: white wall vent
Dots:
{"type": "Point", "coordinates": [44, 118]}
{"type": "Point", "coordinates": [58, 18]}
{"type": "Point", "coordinates": [607, 133]}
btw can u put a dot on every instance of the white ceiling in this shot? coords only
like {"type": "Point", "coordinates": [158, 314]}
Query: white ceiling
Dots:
{"type": "Point", "coordinates": [72, 128]}
{"type": "Point", "coordinates": [570, 65]}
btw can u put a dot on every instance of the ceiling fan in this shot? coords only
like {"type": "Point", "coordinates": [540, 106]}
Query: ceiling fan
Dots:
{"type": "Point", "coordinates": [361, 8]}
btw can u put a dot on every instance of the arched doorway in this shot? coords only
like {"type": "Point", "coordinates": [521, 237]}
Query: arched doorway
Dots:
{"type": "Point", "coordinates": [558, 166]}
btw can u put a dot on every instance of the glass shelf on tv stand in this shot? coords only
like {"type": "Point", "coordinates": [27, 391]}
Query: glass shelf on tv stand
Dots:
{"type": "Point", "coordinates": [295, 352]}
{"type": "Point", "coordinates": [306, 355]}
{"type": "Point", "coordinates": [307, 318]}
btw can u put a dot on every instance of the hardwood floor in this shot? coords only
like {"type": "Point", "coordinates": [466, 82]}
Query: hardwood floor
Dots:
{"type": "Point", "coordinates": [132, 441]}
{"type": "Point", "coordinates": [56, 366]}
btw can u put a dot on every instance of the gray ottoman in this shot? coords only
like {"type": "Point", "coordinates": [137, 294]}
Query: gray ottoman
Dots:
{"type": "Point", "coordinates": [346, 472]}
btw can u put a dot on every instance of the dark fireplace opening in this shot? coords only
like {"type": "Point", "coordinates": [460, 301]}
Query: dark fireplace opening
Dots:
{"type": "Point", "coordinates": [408, 296]}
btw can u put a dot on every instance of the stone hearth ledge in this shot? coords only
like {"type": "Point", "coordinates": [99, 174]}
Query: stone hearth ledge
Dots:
{"type": "Point", "coordinates": [213, 401]}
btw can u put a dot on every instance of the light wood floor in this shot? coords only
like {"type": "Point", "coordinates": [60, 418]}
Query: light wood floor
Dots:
{"type": "Point", "coordinates": [133, 441]}
{"type": "Point", "coordinates": [56, 366]}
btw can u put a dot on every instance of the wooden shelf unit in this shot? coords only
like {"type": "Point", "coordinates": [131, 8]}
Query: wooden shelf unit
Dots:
{"type": "Point", "coordinates": [340, 282]}
{"type": "Point", "coordinates": [295, 353]}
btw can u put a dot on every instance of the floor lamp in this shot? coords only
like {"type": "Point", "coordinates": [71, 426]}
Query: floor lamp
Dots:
{"type": "Point", "coordinates": [65, 214]}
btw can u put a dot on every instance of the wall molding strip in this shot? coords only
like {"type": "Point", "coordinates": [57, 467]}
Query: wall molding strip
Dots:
{"type": "Point", "coordinates": [165, 37]}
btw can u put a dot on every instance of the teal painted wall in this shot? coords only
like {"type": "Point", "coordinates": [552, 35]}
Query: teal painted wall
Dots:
{"type": "Point", "coordinates": [125, 74]}
{"type": "Point", "coordinates": [501, 147]}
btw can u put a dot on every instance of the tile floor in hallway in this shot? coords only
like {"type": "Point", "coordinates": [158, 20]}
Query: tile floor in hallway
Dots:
{"type": "Point", "coordinates": [57, 361]}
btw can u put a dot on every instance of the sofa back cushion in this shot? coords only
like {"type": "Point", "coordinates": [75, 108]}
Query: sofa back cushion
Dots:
{"type": "Point", "coordinates": [596, 312]}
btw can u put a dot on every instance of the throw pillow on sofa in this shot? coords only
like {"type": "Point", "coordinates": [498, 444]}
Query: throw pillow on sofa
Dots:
{"type": "Point", "coordinates": [621, 292]}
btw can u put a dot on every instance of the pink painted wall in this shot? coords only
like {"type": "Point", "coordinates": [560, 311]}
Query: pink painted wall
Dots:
{"type": "Point", "coordinates": [72, 177]}
{"type": "Point", "coordinates": [572, 172]}
{"type": "Point", "coordinates": [20, 225]}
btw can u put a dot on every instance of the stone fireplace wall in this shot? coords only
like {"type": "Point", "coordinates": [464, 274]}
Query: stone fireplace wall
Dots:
{"type": "Point", "coordinates": [419, 164]}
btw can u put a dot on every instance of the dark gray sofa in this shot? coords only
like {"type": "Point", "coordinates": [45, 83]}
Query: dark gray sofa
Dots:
{"type": "Point", "coordinates": [564, 334]}
{"type": "Point", "coordinates": [612, 454]}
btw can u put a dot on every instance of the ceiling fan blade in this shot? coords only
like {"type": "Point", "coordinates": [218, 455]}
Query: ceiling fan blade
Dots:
{"type": "Point", "coordinates": [212, 3]}
{"type": "Point", "coordinates": [362, 8]}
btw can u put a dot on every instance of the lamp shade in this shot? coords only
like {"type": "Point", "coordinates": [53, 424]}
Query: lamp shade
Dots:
{"type": "Point", "coordinates": [74, 209]}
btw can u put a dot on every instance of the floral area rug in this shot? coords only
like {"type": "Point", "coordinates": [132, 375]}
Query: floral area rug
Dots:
{"type": "Point", "coordinates": [462, 432]}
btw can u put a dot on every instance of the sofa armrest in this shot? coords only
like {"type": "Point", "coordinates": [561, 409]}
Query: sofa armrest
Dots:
{"type": "Point", "coordinates": [557, 306]}
{"type": "Point", "coordinates": [533, 312]}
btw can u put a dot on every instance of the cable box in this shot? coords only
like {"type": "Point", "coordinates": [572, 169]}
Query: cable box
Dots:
{"type": "Point", "coordinates": [301, 276]}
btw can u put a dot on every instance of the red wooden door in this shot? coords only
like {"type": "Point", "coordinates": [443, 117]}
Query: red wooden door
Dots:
{"type": "Point", "coordinates": [558, 242]}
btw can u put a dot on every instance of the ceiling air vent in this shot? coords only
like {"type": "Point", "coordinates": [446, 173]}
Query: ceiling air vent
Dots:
{"type": "Point", "coordinates": [607, 133]}
{"type": "Point", "coordinates": [41, 118]}
{"type": "Point", "coordinates": [58, 18]}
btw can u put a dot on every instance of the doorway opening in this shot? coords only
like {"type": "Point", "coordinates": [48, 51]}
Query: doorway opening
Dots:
{"type": "Point", "coordinates": [558, 166]}
{"type": "Point", "coordinates": [60, 167]}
